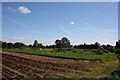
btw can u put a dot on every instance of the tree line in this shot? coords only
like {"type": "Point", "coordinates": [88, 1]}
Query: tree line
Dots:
{"type": "Point", "coordinates": [62, 43]}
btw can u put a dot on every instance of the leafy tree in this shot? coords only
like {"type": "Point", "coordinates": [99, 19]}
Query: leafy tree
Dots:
{"type": "Point", "coordinates": [35, 45]}
{"type": "Point", "coordinates": [40, 45]}
{"type": "Point", "coordinates": [117, 51]}
{"type": "Point", "coordinates": [117, 44]}
{"type": "Point", "coordinates": [97, 45]}
{"type": "Point", "coordinates": [19, 45]}
{"type": "Point", "coordinates": [9, 45]}
{"type": "Point", "coordinates": [58, 43]}
{"type": "Point", "coordinates": [111, 49]}
{"type": "Point", "coordinates": [50, 46]}
{"type": "Point", "coordinates": [104, 46]}
{"type": "Point", "coordinates": [65, 43]}
{"type": "Point", "coordinates": [4, 45]}
{"type": "Point", "coordinates": [30, 46]}
{"type": "Point", "coordinates": [0, 44]}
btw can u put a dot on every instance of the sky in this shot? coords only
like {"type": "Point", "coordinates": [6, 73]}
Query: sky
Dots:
{"type": "Point", "coordinates": [80, 22]}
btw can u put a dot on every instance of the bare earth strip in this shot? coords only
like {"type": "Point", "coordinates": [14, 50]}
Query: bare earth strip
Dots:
{"type": "Point", "coordinates": [33, 66]}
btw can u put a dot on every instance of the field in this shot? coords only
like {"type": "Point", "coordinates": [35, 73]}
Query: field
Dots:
{"type": "Point", "coordinates": [78, 55]}
{"type": "Point", "coordinates": [18, 65]}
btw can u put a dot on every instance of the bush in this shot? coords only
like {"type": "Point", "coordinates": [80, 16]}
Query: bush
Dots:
{"type": "Point", "coordinates": [99, 52]}
{"type": "Point", "coordinates": [61, 50]}
{"type": "Point", "coordinates": [105, 51]}
{"type": "Point", "coordinates": [117, 51]}
{"type": "Point", "coordinates": [94, 50]}
{"type": "Point", "coordinates": [111, 49]}
{"type": "Point", "coordinates": [55, 50]}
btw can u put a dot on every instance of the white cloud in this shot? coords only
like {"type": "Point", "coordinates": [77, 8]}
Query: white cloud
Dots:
{"type": "Point", "coordinates": [72, 22]}
{"type": "Point", "coordinates": [24, 10]}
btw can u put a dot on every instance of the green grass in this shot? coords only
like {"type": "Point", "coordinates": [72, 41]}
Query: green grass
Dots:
{"type": "Point", "coordinates": [82, 55]}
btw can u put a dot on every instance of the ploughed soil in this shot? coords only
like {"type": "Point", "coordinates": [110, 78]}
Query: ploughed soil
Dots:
{"type": "Point", "coordinates": [18, 65]}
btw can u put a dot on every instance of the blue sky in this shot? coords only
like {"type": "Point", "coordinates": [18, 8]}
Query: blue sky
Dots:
{"type": "Point", "coordinates": [81, 22]}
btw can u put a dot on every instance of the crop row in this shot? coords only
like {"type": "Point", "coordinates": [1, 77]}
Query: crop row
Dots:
{"type": "Point", "coordinates": [76, 66]}
{"type": "Point", "coordinates": [7, 74]}
{"type": "Point", "coordinates": [29, 69]}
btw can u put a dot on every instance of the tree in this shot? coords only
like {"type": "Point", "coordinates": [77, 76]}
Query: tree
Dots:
{"type": "Point", "coordinates": [39, 45]}
{"type": "Point", "coordinates": [19, 45]}
{"type": "Point", "coordinates": [111, 49]}
{"type": "Point", "coordinates": [35, 44]}
{"type": "Point", "coordinates": [4, 45]}
{"type": "Point", "coordinates": [58, 43]}
{"type": "Point", "coordinates": [9, 45]}
{"type": "Point", "coordinates": [97, 45]}
{"type": "Point", "coordinates": [65, 43]}
{"type": "Point", "coordinates": [30, 46]}
{"type": "Point", "coordinates": [104, 46]}
{"type": "Point", "coordinates": [117, 44]}
{"type": "Point", "coordinates": [0, 44]}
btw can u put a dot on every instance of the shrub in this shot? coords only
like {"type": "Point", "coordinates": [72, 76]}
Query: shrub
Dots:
{"type": "Point", "coordinates": [111, 49]}
{"type": "Point", "coordinates": [74, 51]}
{"type": "Point", "coordinates": [99, 52]}
{"type": "Point", "coordinates": [117, 51]}
{"type": "Point", "coordinates": [94, 50]}
{"type": "Point", "coordinates": [105, 51]}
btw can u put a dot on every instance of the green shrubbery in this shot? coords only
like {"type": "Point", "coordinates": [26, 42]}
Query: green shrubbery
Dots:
{"type": "Point", "coordinates": [64, 50]}
{"type": "Point", "coordinates": [99, 52]}
{"type": "Point", "coordinates": [105, 51]}
{"type": "Point", "coordinates": [66, 54]}
{"type": "Point", "coordinates": [117, 51]}
{"type": "Point", "coordinates": [111, 49]}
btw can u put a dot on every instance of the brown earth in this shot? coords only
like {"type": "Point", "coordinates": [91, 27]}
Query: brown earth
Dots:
{"type": "Point", "coordinates": [18, 65]}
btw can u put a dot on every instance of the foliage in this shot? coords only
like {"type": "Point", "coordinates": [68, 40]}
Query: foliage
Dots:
{"type": "Point", "coordinates": [63, 43]}
{"type": "Point", "coordinates": [117, 51]}
{"type": "Point", "coordinates": [111, 49]}
{"type": "Point", "coordinates": [19, 45]}
{"type": "Point", "coordinates": [105, 51]}
{"type": "Point", "coordinates": [99, 52]}
{"type": "Point", "coordinates": [0, 44]}
{"type": "Point", "coordinates": [13, 45]}
{"type": "Point", "coordinates": [4, 45]}
{"type": "Point", "coordinates": [30, 46]}
{"type": "Point", "coordinates": [117, 44]}
{"type": "Point", "coordinates": [37, 45]}
{"type": "Point", "coordinates": [10, 45]}
{"type": "Point", "coordinates": [86, 46]}
{"type": "Point", "coordinates": [50, 46]}
{"type": "Point", "coordinates": [63, 49]}
{"type": "Point", "coordinates": [58, 43]}
{"type": "Point", "coordinates": [79, 55]}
